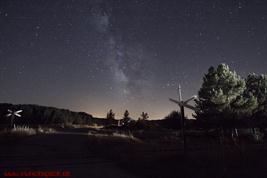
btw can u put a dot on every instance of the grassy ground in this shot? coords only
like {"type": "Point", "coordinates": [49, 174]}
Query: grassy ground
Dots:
{"type": "Point", "coordinates": [164, 157]}
{"type": "Point", "coordinates": [101, 153]}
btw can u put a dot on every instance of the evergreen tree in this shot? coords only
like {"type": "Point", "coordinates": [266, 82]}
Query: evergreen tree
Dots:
{"type": "Point", "coordinates": [126, 114]}
{"type": "Point", "coordinates": [111, 115]}
{"type": "Point", "coordinates": [220, 89]}
{"type": "Point", "coordinates": [257, 87]}
{"type": "Point", "coordinates": [224, 98]}
{"type": "Point", "coordinates": [126, 119]}
{"type": "Point", "coordinates": [244, 105]}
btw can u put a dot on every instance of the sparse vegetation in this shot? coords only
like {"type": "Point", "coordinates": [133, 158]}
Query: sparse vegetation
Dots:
{"type": "Point", "coordinates": [23, 130]}
{"type": "Point", "coordinates": [144, 116]}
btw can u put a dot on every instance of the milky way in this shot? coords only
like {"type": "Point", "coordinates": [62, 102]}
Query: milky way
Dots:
{"type": "Point", "coordinates": [98, 55]}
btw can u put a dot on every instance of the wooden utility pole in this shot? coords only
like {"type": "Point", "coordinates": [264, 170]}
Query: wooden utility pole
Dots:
{"type": "Point", "coordinates": [182, 119]}
{"type": "Point", "coordinates": [182, 104]}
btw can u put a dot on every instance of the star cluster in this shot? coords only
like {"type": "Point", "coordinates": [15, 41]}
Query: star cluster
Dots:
{"type": "Point", "coordinates": [98, 55]}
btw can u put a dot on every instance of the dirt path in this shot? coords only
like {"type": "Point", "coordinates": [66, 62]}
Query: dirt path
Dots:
{"type": "Point", "coordinates": [57, 152]}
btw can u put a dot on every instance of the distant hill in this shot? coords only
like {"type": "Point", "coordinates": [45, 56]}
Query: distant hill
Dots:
{"type": "Point", "coordinates": [35, 114]}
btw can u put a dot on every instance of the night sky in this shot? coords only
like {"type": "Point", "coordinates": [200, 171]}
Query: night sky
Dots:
{"type": "Point", "coordinates": [123, 54]}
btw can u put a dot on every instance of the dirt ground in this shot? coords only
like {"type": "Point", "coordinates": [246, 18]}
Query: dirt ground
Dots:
{"type": "Point", "coordinates": [57, 152]}
{"type": "Point", "coordinates": [106, 157]}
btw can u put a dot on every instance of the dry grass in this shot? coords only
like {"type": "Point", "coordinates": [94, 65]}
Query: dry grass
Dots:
{"type": "Point", "coordinates": [128, 136]}
{"type": "Point", "coordinates": [22, 130]}
{"type": "Point", "coordinates": [161, 155]}
{"type": "Point", "coordinates": [45, 130]}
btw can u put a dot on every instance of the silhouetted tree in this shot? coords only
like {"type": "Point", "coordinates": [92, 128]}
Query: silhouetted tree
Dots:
{"type": "Point", "coordinates": [126, 118]}
{"type": "Point", "coordinates": [126, 114]}
{"type": "Point", "coordinates": [173, 120]}
{"type": "Point", "coordinates": [144, 116]}
{"type": "Point", "coordinates": [111, 115]}
{"type": "Point", "coordinates": [174, 115]}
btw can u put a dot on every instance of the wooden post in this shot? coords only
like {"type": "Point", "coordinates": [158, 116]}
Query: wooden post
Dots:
{"type": "Point", "coordinates": [183, 128]}
{"type": "Point", "coordinates": [182, 119]}
{"type": "Point", "coordinates": [12, 121]}
{"type": "Point", "coordinates": [182, 104]}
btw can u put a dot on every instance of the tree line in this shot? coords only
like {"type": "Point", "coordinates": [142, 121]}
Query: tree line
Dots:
{"type": "Point", "coordinates": [126, 116]}
{"type": "Point", "coordinates": [42, 115]}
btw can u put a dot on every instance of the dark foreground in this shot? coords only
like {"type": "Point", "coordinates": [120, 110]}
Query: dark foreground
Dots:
{"type": "Point", "coordinates": [152, 155]}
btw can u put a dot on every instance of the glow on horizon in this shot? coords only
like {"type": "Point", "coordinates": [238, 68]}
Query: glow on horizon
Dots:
{"type": "Point", "coordinates": [135, 115]}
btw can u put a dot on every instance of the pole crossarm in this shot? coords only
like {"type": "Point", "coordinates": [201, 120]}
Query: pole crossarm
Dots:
{"type": "Point", "coordinates": [175, 101]}
{"type": "Point", "coordinates": [13, 113]}
{"type": "Point", "coordinates": [184, 103]}
{"type": "Point", "coordinates": [190, 99]}
{"type": "Point", "coordinates": [190, 107]}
